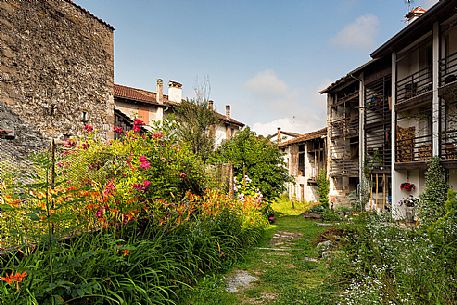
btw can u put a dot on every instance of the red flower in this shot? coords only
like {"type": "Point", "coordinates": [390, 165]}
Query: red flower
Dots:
{"type": "Point", "coordinates": [144, 163]}
{"type": "Point", "coordinates": [157, 135]}
{"type": "Point", "coordinates": [137, 123]}
{"type": "Point", "coordinates": [118, 130]}
{"type": "Point", "coordinates": [406, 186]}
{"type": "Point", "coordinates": [88, 128]}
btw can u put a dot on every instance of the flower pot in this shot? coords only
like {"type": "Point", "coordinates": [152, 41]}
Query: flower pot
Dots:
{"type": "Point", "coordinates": [410, 212]}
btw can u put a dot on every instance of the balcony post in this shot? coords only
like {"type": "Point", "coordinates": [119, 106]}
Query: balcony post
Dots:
{"type": "Point", "coordinates": [394, 135]}
{"type": "Point", "coordinates": [361, 128]}
{"type": "Point", "coordinates": [435, 84]}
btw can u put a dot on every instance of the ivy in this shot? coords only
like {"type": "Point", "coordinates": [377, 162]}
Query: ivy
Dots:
{"type": "Point", "coordinates": [323, 188]}
{"type": "Point", "coordinates": [431, 205]}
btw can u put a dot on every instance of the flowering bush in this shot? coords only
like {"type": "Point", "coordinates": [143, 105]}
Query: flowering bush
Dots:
{"type": "Point", "coordinates": [117, 214]}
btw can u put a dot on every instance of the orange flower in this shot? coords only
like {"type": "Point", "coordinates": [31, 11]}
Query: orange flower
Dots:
{"type": "Point", "coordinates": [18, 277]}
{"type": "Point", "coordinates": [125, 252]}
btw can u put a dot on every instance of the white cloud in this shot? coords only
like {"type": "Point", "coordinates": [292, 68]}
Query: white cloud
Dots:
{"type": "Point", "coordinates": [293, 110]}
{"type": "Point", "coordinates": [267, 83]}
{"type": "Point", "coordinates": [359, 34]}
{"type": "Point", "coordinates": [293, 124]}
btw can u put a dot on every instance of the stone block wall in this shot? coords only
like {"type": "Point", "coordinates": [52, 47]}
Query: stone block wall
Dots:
{"type": "Point", "coordinates": [56, 62]}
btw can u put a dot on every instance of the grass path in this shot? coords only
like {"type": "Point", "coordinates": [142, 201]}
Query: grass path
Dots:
{"type": "Point", "coordinates": [285, 264]}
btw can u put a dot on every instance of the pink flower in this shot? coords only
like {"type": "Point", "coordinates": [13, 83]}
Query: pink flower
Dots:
{"type": "Point", "coordinates": [99, 213]}
{"type": "Point", "coordinates": [144, 163]}
{"type": "Point", "coordinates": [85, 146]}
{"type": "Point", "coordinates": [137, 123]}
{"type": "Point", "coordinates": [110, 187]}
{"type": "Point", "coordinates": [118, 130]}
{"type": "Point", "coordinates": [88, 128]}
{"type": "Point", "coordinates": [182, 175]}
{"type": "Point", "coordinates": [142, 186]}
{"type": "Point", "coordinates": [69, 143]}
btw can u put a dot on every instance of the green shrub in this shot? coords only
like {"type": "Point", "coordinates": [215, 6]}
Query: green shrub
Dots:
{"type": "Point", "coordinates": [323, 188]}
{"type": "Point", "coordinates": [431, 203]}
{"type": "Point", "coordinates": [385, 264]}
{"type": "Point", "coordinates": [102, 235]}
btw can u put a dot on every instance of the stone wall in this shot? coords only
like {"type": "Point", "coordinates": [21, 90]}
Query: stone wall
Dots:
{"type": "Point", "coordinates": [56, 62]}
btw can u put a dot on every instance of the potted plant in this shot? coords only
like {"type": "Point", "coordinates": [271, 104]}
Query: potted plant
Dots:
{"type": "Point", "coordinates": [410, 204]}
{"type": "Point", "coordinates": [406, 186]}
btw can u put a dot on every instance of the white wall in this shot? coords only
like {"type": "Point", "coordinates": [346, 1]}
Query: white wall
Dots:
{"type": "Point", "coordinates": [221, 134]}
{"type": "Point", "coordinates": [417, 177]}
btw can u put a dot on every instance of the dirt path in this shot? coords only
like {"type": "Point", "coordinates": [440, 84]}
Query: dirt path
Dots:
{"type": "Point", "coordinates": [285, 268]}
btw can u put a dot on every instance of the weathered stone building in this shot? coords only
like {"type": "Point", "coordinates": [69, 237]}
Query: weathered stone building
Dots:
{"type": "Point", "coordinates": [305, 156]}
{"type": "Point", "coordinates": [56, 73]}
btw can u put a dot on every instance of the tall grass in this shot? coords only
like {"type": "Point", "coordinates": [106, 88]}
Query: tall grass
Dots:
{"type": "Point", "coordinates": [147, 266]}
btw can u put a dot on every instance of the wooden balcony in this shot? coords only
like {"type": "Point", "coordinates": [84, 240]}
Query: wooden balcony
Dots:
{"type": "Point", "coordinates": [412, 151]}
{"type": "Point", "coordinates": [448, 76]}
{"type": "Point", "coordinates": [414, 90]}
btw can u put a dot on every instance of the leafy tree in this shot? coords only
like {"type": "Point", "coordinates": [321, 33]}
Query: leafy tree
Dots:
{"type": "Point", "coordinates": [258, 158]}
{"type": "Point", "coordinates": [195, 126]}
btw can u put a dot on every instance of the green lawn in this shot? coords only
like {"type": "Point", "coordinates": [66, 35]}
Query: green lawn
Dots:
{"type": "Point", "coordinates": [284, 277]}
{"type": "Point", "coordinates": [285, 206]}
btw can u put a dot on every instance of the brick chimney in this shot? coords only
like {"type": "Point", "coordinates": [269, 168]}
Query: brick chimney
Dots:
{"type": "Point", "coordinates": [279, 135]}
{"type": "Point", "coordinates": [211, 105]}
{"type": "Point", "coordinates": [159, 91]}
{"type": "Point", "coordinates": [174, 91]}
{"type": "Point", "coordinates": [227, 111]}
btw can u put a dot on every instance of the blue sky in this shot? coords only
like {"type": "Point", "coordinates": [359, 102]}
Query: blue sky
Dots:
{"type": "Point", "coordinates": [267, 59]}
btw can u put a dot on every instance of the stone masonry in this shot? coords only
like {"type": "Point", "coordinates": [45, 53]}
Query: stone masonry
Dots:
{"type": "Point", "coordinates": [56, 72]}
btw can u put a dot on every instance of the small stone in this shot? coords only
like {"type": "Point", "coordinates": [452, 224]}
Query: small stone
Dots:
{"type": "Point", "coordinates": [239, 279]}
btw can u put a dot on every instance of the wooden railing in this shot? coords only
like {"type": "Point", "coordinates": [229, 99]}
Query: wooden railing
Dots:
{"type": "Point", "coordinates": [448, 145]}
{"type": "Point", "coordinates": [448, 69]}
{"type": "Point", "coordinates": [413, 85]}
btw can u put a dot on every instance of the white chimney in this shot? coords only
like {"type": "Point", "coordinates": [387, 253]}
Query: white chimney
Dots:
{"type": "Point", "coordinates": [174, 91]}
{"type": "Point", "coordinates": [227, 111]}
{"type": "Point", "coordinates": [159, 91]}
{"type": "Point", "coordinates": [414, 14]}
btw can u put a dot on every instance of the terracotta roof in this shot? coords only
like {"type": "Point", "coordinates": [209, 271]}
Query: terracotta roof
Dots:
{"type": "Point", "coordinates": [305, 137]}
{"type": "Point", "coordinates": [228, 120]}
{"type": "Point", "coordinates": [144, 96]}
{"type": "Point", "coordinates": [135, 94]}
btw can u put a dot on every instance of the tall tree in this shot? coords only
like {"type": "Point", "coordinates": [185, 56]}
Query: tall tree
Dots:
{"type": "Point", "coordinates": [195, 126]}
{"type": "Point", "coordinates": [258, 158]}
